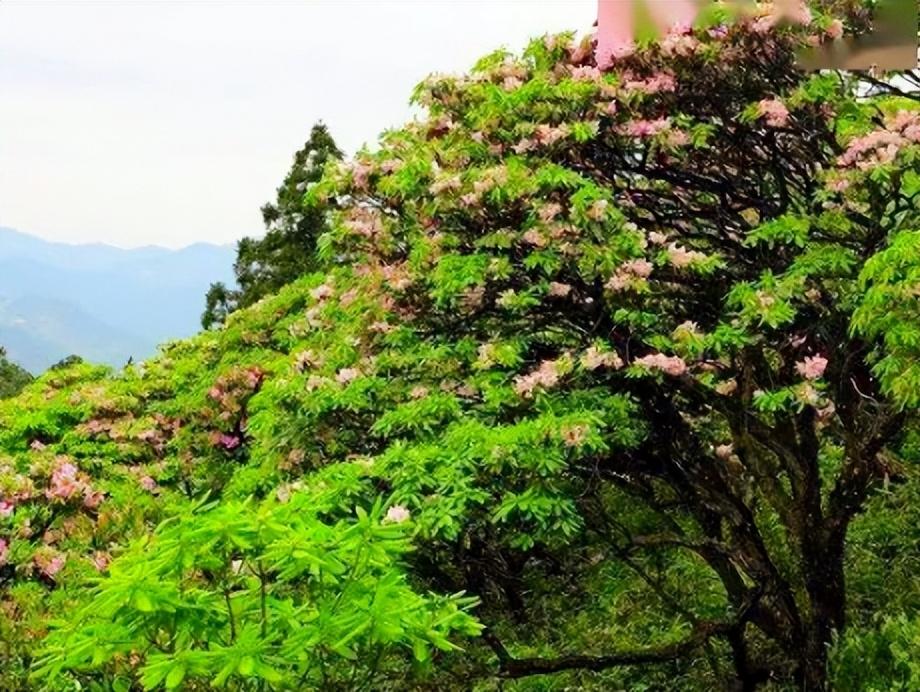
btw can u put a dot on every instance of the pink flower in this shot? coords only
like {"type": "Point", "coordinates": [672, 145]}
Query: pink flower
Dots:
{"type": "Point", "coordinates": [659, 82]}
{"type": "Point", "coordinates": [346, 375]}
{"type": "Point", "coordinates": [598, 210]}
{"type": "Point", "coordinates": [593, 358]}
{"type": "Point", "coordinates": [360, 172]}
{"type": "Point", "coordinates": [670, 365]}
{"type": "Point", "coordinates": [92, 498]}
{"type": "Point", "coordinates": [677, 139]}
{"type": "Point", "coordinates": [548, 212]}
{"type": "Point", "coordinates": [544, 377]}
{"type": "Point", "coordinates": [680, 257]}
{"type": "Point", "coordinates": [228, 442]}
{"type": "Point", "coordinates": [628, 274]}
{"type": "Point", "coordinates": [6, 508]}
{"type": "Point", "coordinates": [727, 387]}
{"type": "Point", "coordinates": [510, 83]}
{"type": "Point", "coordinates": [148, 484]}
{"type": "Point", "coordinates": [534, 237]}
{"type": "Point", "coordinates": [645, 128]}
{"type": "Point", "coordinates": [586, 73]}
{"type": "Point", "coordinates": [37, 446]}
{"type": "Point", "coordinates": [397, 514]}
{"type": "Point", "coordinates": [64, 482]}
{"type": "Point", "coordinates": [449, 184]}
{"type": "Point", "coordinates": [838, 184]}
{"type": "Point", "coordinates": [390, 166]}
{"type": "Point", "coordinates": [559, 290]}
{"type": "Point", "coordinates": [418, 392]}
{"type": "Point", "coordinates": [656, 238]}
{"type": "Point", "coordinates": [800, 13]}
{"type": "Point", "coordinates": [724, 451]}
{"type": "Point", "coordinates": [574, 435]}
{"type": "Point", "coordinates": [322, 292]}
{"type": "Point", "coordinates": [101, 560]}
{"type": "Point", "coordinates": [775, 112]}
{"type": "Point", "coordinates": [49, 563]}
{"type": "Point", "coordinates": [812, 367]}
{"type": "Point", "coordinates": [548, 135]}
{"type": "Point", "coordinates": [835, 30]}
{"type": "Point", "coordinates": [523, 146]}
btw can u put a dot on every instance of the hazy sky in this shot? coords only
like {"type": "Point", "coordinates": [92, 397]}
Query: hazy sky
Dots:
{"type": "Point", "coordinates": [162, 122]}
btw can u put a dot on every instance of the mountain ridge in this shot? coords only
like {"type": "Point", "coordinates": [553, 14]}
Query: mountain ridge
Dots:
{"type": "Point", "coordinates": [104, 303]}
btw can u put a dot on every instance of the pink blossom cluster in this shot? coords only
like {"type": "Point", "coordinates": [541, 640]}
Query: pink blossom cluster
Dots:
{"type": "Point", "coordinates": [658, 83]}
{"type": "Point", "coordinates": [231, 388]}
{"type": "Point", "coordinates": [594, 358]}
{"type": "Point", "coordinates": [645, 128]}
{"type": "Point", "coordinates": [681, 257]}
{"type": "Point", "coordinates": [67, 482]}
{"type": "Point", "coordinates": [544, 377]}
{"type": "Point", "coordinates": [445, 184]}
{"type": "Point", "coordinates": [629, 274]}
{"type": "Point", "coordinates": [835, 29]}
{"type": "Point", "coordinates": [724, 451]}
{"type": "Point", "coordinates": [678, 42]}
{"type": "Point", "coordinates": [547, 135]}
{"type": "Point", "coordinates": [770, 13]}
{"type": "Point", "coordinates": [396, 276]}
{"type": "Point", "coordinates": [558, 289]}
{"type": "Point", "coordinates": [548, 212]}
{"type": "Point", "coordinates": [346, 375]}
{"type": "Point", "coordinates": [149, 484]}
{"type": "Point", "coordinates": [533, 236]}
{"type": "Point", "coordinates": [363, 222]}
{"type": "Point", "coordinates": [360, 174]}
{"type": "Point", "coordinates": [101, 560]}
{"type": "Point", "coordinates": [574, 435]}
{"type": "Point", "coordinates": [598, 210]}
{"type": "Point", "coordinates": [774, 111]}
{"type": "Point", "coordinates": [49, 562]}
{"type": "Point", "coordinates": [397, 514]}
{"type": "Point", "coordinates": [882, 146]}
{"type": "Point", "coordinates": [812, 367]}
{"type": "Point", "coordinates": [586, 73]}
{"type": "Point", "coordinates": [670, 365]}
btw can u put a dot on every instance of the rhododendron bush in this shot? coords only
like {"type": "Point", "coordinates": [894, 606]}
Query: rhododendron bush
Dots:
{"type": "Point", "coordinates": [603, 380]}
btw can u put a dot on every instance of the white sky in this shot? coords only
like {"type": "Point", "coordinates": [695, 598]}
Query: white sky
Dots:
{"type": "Point", "coordinates": [168, 123]}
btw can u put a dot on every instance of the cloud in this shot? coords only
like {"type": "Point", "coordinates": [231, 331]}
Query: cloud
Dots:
{"type": "Point", "coordinates": [168, 123]}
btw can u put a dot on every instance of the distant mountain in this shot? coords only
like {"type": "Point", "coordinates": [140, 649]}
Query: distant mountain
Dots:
{"type": "Point", "coordinates": [103, 303]}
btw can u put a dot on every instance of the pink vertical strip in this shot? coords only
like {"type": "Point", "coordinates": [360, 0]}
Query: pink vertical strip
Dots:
{"type": "Point", "coordinates": [614, 30]}
{"type": "Point", "coordinates": [616, 23]}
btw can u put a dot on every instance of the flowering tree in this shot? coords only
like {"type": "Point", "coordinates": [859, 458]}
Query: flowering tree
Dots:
{"type": "Point", "coordinates": [624, 352]}
{"type": "Point", "coordinates": [702, 238]}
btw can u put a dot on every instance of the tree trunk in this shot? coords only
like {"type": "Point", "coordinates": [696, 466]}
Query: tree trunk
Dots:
{"type": "Point", "coordinates": [825, 584]}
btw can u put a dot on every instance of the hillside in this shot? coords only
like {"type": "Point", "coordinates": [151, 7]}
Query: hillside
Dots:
{"type": "Point", "coordinates": [580, 396]}
{"type": "Point", "coordinates": [103, 303]}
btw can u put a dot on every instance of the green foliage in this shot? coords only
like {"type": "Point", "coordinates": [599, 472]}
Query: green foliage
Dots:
{"type": "Point", "coordinates": [243, 594]}
{"type": "Point", "coordinates": [609, 387]}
